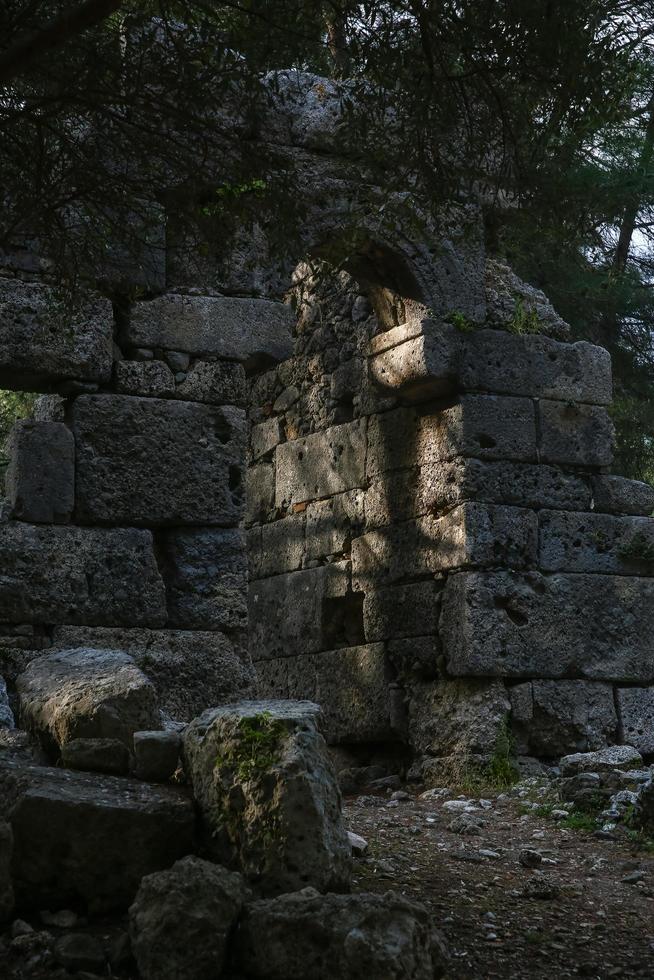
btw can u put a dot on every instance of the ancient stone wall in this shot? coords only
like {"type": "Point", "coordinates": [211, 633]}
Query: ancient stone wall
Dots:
{"type": "Point", "coordinates": [125, 491]}
{"type": "Point", "coordinates": [436, 546]}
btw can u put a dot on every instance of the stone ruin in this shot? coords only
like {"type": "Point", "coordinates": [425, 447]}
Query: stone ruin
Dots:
{"type": "Point", "coordinates": [414, 461]}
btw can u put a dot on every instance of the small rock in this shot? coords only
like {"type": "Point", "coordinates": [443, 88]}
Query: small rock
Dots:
{"type": "Point", "coordinates": [541, 887]}
{"type": "Point", "coordinates": [491, 855]}
{"type": "Point", "coordinates": [459, 806]}
{"type": "Point", "coordinates": [634, 877]}
{"type": "Point", "coordinates": [530, 859]}
{"type": "Point", "coordinates": [465, 823]}
{"type": "Point", "coordinates": [80, 951]}
{"type": "Point", "coordinates": [20, 928]}
{"type": "Point", "coordinates": [63, 919]}
{"type": "Point", "coordinates": [434, 794]}
{"type": "Point", "coordinates": [400, 796]}
{"type": "Point", "coordinates": [559, 814]}
{"type": "Point", "coordinates": [358, 844]}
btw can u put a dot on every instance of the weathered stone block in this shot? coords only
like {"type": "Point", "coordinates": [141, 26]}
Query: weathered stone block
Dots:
{"type": "Point", "coordinates": [322, 464]}
{"type": "Point", "coordinates": [457, 717]}
{"type": "Point", "coordinates": [414, 657]}
{"type": "Point", "coordinates": [402, 610]}
{"type": "Point", "coordinates": [593, 626]}
{"type": "Point", "coordinates": [575, 435]}
{"type": "Point", "coordinates": [535, 366]}
{"type": "Point", "coordinates": [156, 755]}
{"type": "Point", "coordinates": [617, 495]}
{"type": "Point", "coordinates": [304, 612]}
{"type": "Point", "coordinates": [205, 572]}
{"type": "Point", "coordinates": [596, 543]}
{"type": "Point", "coordinates": [265, 436]}
{"type": "Point", "coordinates": [620, 757]}
{"type": "Point", "coordinates": [214, 382]}
{"type": "Point", "coordinates": [281, 784]}
{"type": "Point", "coordinates": [40, 478]}
{"type": "Point", "coordinates": [79, 575]}
{"type": "Point", "coordinates": [150, 461]}
{"type": "Point", "coordinates": [152, 379]}
{"type": "Point", "coordinates": [107, 755]}
{"type": "Point", "coordinates": [470, 535]}
{"type": "Point", "coordinates": [276, 548]}
{"type": "Point", "coordinates": [259, 492]}
{"type": "Point", "coordinates": [636, 714]}
{"type": "Point", "coordinates": [254, 331]}
{"type": "Point", "coordinates": [331, 524]}
{"type": "Point", "coordinates": [423, 366]}
{"type": "Point", "coordinates": [351, 686]}
{"type": "Point", "coordinates": [191, 671]}
{"type": "Point", "coordinates": [45, 340]}
{"type": "Point", "coordinates": [83, 838]}
{"type": "Point", "coordinates": [484, 426]}
{"type": "Point", "coordinates": [552, 718]}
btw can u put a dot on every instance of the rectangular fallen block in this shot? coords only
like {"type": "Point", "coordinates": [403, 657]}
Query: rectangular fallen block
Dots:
{"type": "Point", "coordinates": [86, 839]}
{"type": "Point", "coordinates": [504, 624]}
{"type": "Point", "coordinates": [40, 477]}
{"type": "Point", "coordinates": [150, 461]}
{"type": "Point", "coordinates": [94, 576]}
{"type": "Point", "coordinates": [45, 339]}
{"type": "Point", "coordinates": [575, 435]}
{"type": "Point", "coordinates": [321, 464]}
{"type": "Point", "coordinates": [350, 685]}
{"type": "Point", "coordinates": [472, 535]}
{"type": "Point", "coordinates": [575, 542]}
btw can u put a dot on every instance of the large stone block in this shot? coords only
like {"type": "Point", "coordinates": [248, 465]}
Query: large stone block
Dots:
{"type": "Point", "coordinates": [472, 535]}
{"type": "Point", "coordinates": [265, 436]}
{"type": "Point", "coordinates": [304, 612]}
{"type": "Point", "coordinates": [636, 714]}
{"type": "Point", "coordinates": [276, 548]}
{"type": "Point", "coordinates": [535, 366]}
{"type": "Point", "coordinates": [40, 478]}
{"type": "Point", "coordinates": [44, 339]}
{"type": "Point", "coordinates": [150, 461]}
{"type": "Point", "coordinates": [85, 576]}
{"type": "Point", "coordinates": [152, 379]}
{"type": "Point", "coordinates": [402, 610]}
{"type": "Point", "coordinates": [593, 626]}
{"type": "Point", "coordinates": [191, 670]}
{"type": "Point", "coordinates": [86, 839]}
{"type": "Point", "coordinates": [331, 524]}
{"type": "Point", "coordinates": [420, 366]}
{"type": "Point", "coordinates": [352, 687]}
{"type": "Point", "coordinates": [322, 464]}
{"type": "Point", "coordinates": [573, 542]}
{"type": "Point", "coordinates": [259, 492]}
{"type": "Point", "coordinates": [617, 495]}
{"type": "Point", "coordinates": [575, 435]}
{"type": "Point", "coordinates": [254, 331]}
{"type": "Point", "coordinates": [205, 572]}
{"type": "Point", "coordinates": [488, 427]}
{"type": "Point", "coordinates": [458, 718]}
{"type": "Point", "coordinates": [553, 718]}
{"type": "Point", "coordinates": [214, 382]}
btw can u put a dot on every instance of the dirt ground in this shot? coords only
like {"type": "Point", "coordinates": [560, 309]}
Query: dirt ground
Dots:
{"type": "Point", "coordinates": [587, 910]}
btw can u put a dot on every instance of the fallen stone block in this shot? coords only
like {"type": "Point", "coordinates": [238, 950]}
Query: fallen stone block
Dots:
{"type": "Point", "coordinates": [617, 495]}
{"type": "Point", "coordinates": [156, 755]}
{"type": "Point", "coordinates": [182, 920]}
{"type": "Point", "coordinates": [86, 694]}
{"type": "Point", "coordinates": [338, 937]}
{"type": "Point", "coordinates": [85, 839]}
{"type": "Point", "coordinates": [108, 755]}
{"type": "Point", "coordinates": [256, 332]}
{"type": "Point", "coordinates": [558, 717]}
{"type": "Point", "coordinates": [45, 339]}
{"type": "Point", "coordinates": [260, 771]}
{"type": "Point", "coordinates": [154, 461]}
{"type": "Point", "coordinates": [511, 625]}
{"type": "Point", "coordinates": [321, 464]}
{"type": "Point", "coordinates": [623, 757]}
{"type": "Point", "coordinates": [596, 543]}
{"type": "Point", "coordinates": [636, 713]}
{"type": "Point", "coordinates": [79, 575]}
{"type": "Point", "coordinates": [40, 477]}
{"type": "Point", "coordinates": [575, 435]}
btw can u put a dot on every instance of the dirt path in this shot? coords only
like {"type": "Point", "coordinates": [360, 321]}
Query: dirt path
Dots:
{"type": "Point", "coordinates": [576, 916]}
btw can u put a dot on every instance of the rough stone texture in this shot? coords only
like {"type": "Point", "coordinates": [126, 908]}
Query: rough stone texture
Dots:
{"type": "Point", "coordinates": [43, 340]}
{"type": "Point", "coordinates": [507, 294]}
{"type": "Point", "coordinates": [6, 714]}
{"type": "Point", "coordinates": [279, 784]}
{"type": "Point", "coordinates": [191, 670]}
{"type": "Point", "coordinates": [596, 543]}
{"type": "Point", "coordinates": [150, 461]}
{"type": "Point", "coordinates": [617, 495]}
{"type": "Point", "coordinates": [265, 437]}
{"type": "Point", "coordinates": [550, 718]}
{"type": "Point", "coordinates": [321, 465]}
{"type": "Point", "coordinates": [152, 379]}
{"type": "Point", "coordinates": [499, 624]}
{"type": "Point", "coordinates": [40, 477]}
{"type": "Point", "coordinates": [277, 548]}
{"type": "Point", "coordinates": [86, 694]}
{"type": "Point", "coordinates": [213, 382]}
{"type": "Point", "coordinates": [636, 713]}
{"type": "Point", "coordinates": [182, 919]}
{"type": "Point", "coordinates": [352, 687]}
{"type": "Point", "coordinates": [6, 886]}
{"type": "Point", "coordinates": [403, 610]}
{"type": "Point", "coordinates": [423, 366]}
{"type": "Point", "coordinates": [575, 435]}
{"type": "Point", "coordinates": [108, 755]}
{"type": "Point", "coordinates": [472, 535]}
{"type": "Point", "coordinates": [82, 838]}
{"type": "Point", "coordinates": [457, 717]}
{"type": "Point", "coordinates": [331, 524]}
{"type": "Point", "coordinates": [624, 757]}
{"type": "Point", "coordinates": [303, 612]}
{"type": "Point", "coordinates": [79, 575]}
{"type": "Point", "coordinates": [156, 755]}
{"type": "Point", "coordinates": [205, 571]}
{"type": "Point", "coordinates": [382, 936]}
{"type": "Point", "coordinates": [254, 331]}
{"type": "Point", "coordinates": [259, 493]}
